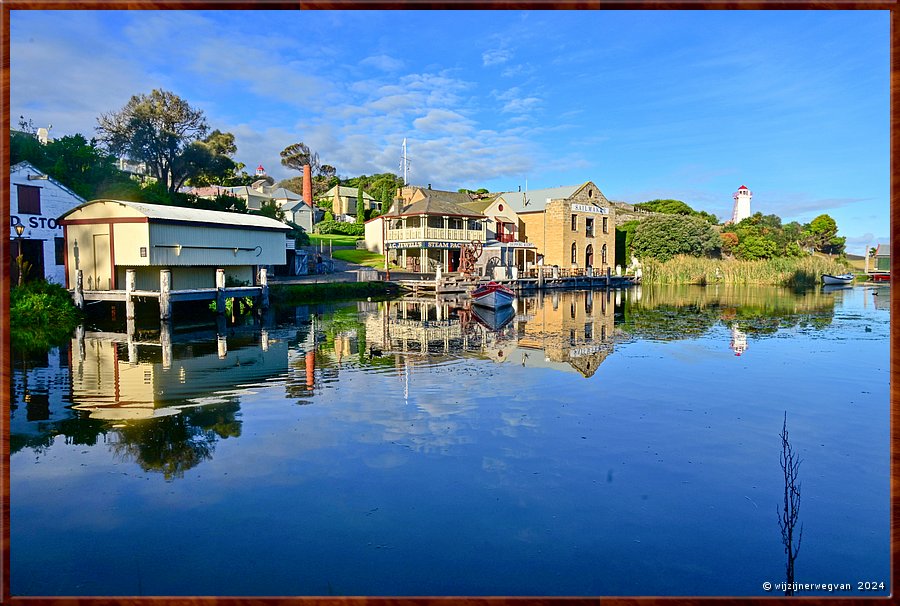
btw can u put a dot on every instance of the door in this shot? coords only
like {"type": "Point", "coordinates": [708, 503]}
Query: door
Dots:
{"type": "Point", "coordinates": [589, 256]}
{"type": "Point", "coordinates": [101, 272]}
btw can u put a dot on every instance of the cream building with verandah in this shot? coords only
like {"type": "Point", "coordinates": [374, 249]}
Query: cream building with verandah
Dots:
{"type": "Point", "coordinates": [104, 238]}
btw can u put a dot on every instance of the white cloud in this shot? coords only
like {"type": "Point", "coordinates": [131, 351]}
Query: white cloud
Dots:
{"type": "Point", "coordinates": [383, 62]}
{"type": "Point", "coordinates": [496, 56]}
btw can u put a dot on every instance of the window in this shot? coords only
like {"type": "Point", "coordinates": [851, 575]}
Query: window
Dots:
{"type": "Point", "coordinates": [60, 244]}
{"type": "Point", "coordinates": [574, 222]}
{"type": "Point", "coordinates": [474, 225]}
{"type": "Point", "coordinates": [589, 227]}
{"type": "Point", "coordinates": [456, 223]}
{"type": "Point", "coordinates": [603, 254]}
{"type": "Point", "coordinates": [574, 254]}
{"type": "Point", "coordinates": [435, 221]}
{"type": "Point", "coordinates": [588, 331]}
{"type": "Point", "coordinates": [606, 225]}
{"type": "Point", "coordinates": [29, 199]}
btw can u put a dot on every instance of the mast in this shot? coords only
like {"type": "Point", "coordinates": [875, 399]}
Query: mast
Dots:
{"type": "Point", "coordinates": [404, 164]}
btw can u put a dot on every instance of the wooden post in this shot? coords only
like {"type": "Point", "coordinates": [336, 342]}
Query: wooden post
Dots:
{"type": "Point", "coordinates": [221, 340]}
{"type": "Point", "coordinates": [165, 302]}
{"type": "Point", "coordinates": [165, 340]}
{"type": "Point", "coordinates": [79, 289]}
{"type": "Point", "coordinates": [540, 280]}
{"type": "Point", "coordinates": [129, 288]}
{"type": "Point", "coordinates": [220, 291]}
{"type": "Point", "coordinates": [132, 347]}
{"type": "Point", "coordinates": [79, 342]}
{"type": "Point", "coordinates": [264, 283]}
{"type": "Point", "coordinates": [608, 275]}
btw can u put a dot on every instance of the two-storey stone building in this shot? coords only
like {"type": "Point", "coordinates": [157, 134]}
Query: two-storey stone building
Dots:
{"type": "Point", "coordinates": [573, 227]}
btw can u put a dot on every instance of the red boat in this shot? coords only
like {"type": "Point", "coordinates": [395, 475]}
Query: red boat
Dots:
{"type": "Point", "coordinates": [880, 277]}
{"type": "Point", "coordinates": [492, 295]}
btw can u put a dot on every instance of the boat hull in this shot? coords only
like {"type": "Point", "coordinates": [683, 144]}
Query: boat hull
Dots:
{"type": "Point", "coordinates": [492, 295]}
{"type": "Point", "coordinates": [842, 279]}
{"type": "Point", "coordinates": [494, 318]}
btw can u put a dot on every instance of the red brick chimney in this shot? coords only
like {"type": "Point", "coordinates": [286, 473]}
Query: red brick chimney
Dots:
{"type": "Point", "coordinates": [307, 185]}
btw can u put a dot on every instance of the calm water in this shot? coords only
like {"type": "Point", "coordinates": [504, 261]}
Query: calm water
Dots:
{"type": "Point", "coordinates": [594, 444]}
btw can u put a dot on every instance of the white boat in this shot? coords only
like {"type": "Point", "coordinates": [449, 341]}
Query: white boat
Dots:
{"type": "Point", "coordinates": [492, 295]}
{"type": "Point", "coordinates": [841, 279]}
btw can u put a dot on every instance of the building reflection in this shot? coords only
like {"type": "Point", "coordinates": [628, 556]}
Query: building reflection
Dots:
{"type": "Point", "coordinates": [122, 377]}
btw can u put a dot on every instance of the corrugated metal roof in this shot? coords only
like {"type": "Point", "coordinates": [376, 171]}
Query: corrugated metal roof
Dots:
{"type": "Point", "coordinates": [281, 193]}
{"type": "Point", "coordinates": [162, 212]}
{"type": "Point", "coordinates": [537, 198]}
{"type": "Point", "coordinates": [347, 192]}
{"type": "Point", "coordinates": [432, 205]}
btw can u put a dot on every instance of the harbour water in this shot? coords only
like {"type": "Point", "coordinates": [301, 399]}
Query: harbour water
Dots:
{"type": "Point", "coordinates": [590, 443]}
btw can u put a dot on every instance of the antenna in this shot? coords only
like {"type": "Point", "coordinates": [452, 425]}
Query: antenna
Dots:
{"type": "Point", "coordinates": [525, 197]}
{"type": "Point", "coordinates": [404, 164]}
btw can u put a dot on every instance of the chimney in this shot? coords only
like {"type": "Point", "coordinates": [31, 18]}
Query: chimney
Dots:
{"type": "Point", "coordinates": [307, 185]}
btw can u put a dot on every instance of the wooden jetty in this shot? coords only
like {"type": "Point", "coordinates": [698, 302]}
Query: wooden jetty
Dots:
{"type": "Point", "coordinates": [167, 296]}
{"type": "Point", "coordinates": [533, 279]}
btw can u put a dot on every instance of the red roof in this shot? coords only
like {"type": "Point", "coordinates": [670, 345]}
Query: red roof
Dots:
{"type": "Point", "coordinates": [743, 187]}
{"type": "Point", "coordinates": [260, 167]}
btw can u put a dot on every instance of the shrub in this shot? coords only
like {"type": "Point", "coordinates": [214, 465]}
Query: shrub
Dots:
{"type": "Point", "coordinates": [665, 236]}
{"type": "Point", "coordinates": [41, 316]}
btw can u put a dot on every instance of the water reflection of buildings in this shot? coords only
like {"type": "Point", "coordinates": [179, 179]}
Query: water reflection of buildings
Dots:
{"type": "Point", "coordinates": [738, 340]}
{"type": "Point", "coordinates": [117, 377]}
{"type": "Point", "coordinates": [562, 330]}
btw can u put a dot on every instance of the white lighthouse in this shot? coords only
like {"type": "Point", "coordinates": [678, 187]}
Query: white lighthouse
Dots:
{"type": "Point", "coordinates": [742, 199]}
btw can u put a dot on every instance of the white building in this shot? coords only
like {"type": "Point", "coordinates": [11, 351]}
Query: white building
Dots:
{"type": "Point", "coordinates": [36, 202]}
{"type": "Point", "coordinates": [742, 199]}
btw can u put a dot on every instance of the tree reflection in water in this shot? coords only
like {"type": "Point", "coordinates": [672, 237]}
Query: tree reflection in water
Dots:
{"type": "Point", "coordinates": [789, 515]}
{"type": "Point", "coordinates": [176, 443]}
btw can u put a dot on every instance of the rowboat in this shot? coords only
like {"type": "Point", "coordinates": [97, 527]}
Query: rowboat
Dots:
{"type": "Point", "coordinates": [492, 295]}
{"type": "Point", "coordinates": [841, 279]}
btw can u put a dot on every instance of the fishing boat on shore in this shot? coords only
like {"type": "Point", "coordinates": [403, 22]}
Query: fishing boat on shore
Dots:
{"type": "Point", "coordinates": [840, 279]}
{"type": "Point", "coordinates": [492, 295]}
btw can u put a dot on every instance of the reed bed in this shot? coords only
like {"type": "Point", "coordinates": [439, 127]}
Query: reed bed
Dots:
{"type": "Point", "coordinates": [792, 272]}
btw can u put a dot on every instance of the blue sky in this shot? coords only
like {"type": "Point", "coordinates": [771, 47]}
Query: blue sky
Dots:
{"type": "Point", "coordinates": [656, 104]}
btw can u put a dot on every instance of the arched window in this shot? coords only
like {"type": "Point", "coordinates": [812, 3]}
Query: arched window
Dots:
{"type": "Point", "coordinates": [589, 256]}
{"type": "Point", "coordinates": [574, 254]}
{"type": "Point", "coordinates": [603, 254]}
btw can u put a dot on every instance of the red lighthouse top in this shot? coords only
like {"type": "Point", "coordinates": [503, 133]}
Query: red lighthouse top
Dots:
{"type": "Point", "coordinates": [743, 187]}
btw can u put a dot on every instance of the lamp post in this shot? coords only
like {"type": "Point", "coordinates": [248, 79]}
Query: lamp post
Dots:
{"type": "Point", "coordinates": [20, 229]}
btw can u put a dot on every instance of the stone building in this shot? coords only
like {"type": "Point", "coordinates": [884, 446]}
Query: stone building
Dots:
{"type": "Point", "coordinates": [572, 226]}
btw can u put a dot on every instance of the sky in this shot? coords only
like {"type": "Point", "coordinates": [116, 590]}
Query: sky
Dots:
{"type": "Point", "coordinates": [646, 104]}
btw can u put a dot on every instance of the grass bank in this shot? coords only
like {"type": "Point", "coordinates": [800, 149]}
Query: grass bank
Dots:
{"type": "Point", "coordinates": [334, 239]}
{"type": "Point", "coordinates": [794, 272]}
{"type": "Point", "coordinates": [362, 257]}
{"type": "Point", "coordinates": [41, 316]}
{"type": "Point", "coordinates": [298, 294]}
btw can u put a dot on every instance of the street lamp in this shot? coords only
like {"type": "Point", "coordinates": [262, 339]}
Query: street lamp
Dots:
{"type": "Point", "coordinates": [20, 229]}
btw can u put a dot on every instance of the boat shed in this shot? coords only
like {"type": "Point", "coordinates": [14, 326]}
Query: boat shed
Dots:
{"type": "Point", "coordinates": [104, 238]}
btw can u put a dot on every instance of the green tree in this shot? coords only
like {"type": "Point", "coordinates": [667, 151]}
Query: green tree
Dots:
{"type": "Point", "coordinates": [360, 205]}
{"type": "Point", "coordinates": [158, 130]}
{"type": "Point", "coordinates": [272, 209]}
{"type": "Point", "coordinates": [754, 246]}
{"type": "Point", "coordinates": [664, 236]}
{"type": "Point", "coordinates": [819, 232]}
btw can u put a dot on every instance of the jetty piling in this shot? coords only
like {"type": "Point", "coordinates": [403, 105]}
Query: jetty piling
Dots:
{"type": "Point", "coordinates": [165, 301]}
